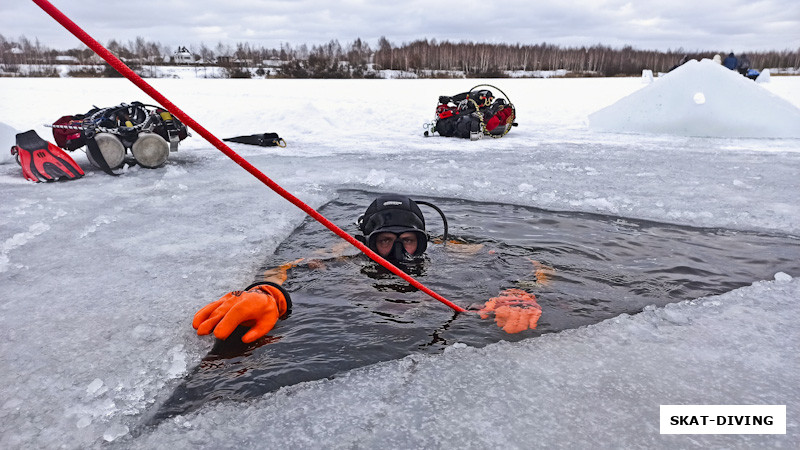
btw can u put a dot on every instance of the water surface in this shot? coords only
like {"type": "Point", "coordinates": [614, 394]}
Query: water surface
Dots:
{"type": "Point", "coordinates": [583, 268]}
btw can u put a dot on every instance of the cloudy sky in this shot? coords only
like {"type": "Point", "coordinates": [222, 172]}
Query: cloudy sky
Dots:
{"type": "Point", "coordinates": [718, 25]}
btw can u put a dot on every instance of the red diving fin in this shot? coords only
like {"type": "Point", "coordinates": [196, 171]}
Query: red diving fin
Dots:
{"type": "Point", "coordinates": [43, 161]}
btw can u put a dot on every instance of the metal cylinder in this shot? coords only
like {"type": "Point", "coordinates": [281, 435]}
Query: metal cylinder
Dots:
{"type": "Point", "coordinates": [150, 150]}
{"type": "Point", "coordinates": [111, 148]}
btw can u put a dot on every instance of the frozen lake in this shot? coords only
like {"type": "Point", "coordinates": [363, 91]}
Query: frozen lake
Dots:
{"type": "Point", "coordinates": [99, 277]}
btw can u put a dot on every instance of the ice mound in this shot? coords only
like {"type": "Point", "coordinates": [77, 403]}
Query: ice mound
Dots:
{"type": "Point", "coordinates": [7, 140]}
{"type": "Point", "coordinates": [701, 98]}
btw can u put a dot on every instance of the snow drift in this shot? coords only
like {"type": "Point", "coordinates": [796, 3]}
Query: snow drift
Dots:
{"type": "Point", "coordinates": [701, 98]}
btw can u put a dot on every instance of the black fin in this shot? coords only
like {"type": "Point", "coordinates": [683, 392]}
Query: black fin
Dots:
{"type": "Point", "coordinates": [263, 140]}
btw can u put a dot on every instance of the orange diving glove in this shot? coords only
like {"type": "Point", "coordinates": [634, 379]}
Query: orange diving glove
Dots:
{"type": "Point", "coordinates": [514, 310]}
{"type": "Point", "coordinates": [259, 307]}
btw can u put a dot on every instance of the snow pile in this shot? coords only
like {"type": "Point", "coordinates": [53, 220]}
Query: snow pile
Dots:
{"type": "Point", "coordinates": [763, 77]}
{"type": "Point", "coordinates": [7, 139]}
{"type": "Point", "coordinates": [701, 99]}
{"type": "Point", "coordinates": [647, 76]}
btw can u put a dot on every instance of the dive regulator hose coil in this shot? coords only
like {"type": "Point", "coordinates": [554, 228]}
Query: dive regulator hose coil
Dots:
{"type": "Point", "coordinates": [120, 67]}
{"type": "Point", "coordinates": [149, 131]}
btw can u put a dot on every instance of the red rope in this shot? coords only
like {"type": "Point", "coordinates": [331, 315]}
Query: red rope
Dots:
{"type": "Point", "coordinates": [149, 90]}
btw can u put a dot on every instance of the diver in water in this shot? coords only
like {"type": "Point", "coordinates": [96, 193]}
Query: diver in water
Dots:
{"type": "Point", "coordinates": [393, 226]}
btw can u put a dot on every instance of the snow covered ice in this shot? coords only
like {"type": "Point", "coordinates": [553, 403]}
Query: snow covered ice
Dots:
{"type": "Point", "coordinates": [99, 277]}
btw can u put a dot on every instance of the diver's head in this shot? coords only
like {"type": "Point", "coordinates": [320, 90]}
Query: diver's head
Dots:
{"type": "Point", "coordinates": [393, 227]}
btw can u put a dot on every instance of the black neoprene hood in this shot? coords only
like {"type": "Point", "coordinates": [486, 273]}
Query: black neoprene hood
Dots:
{"type": "Point", "coordinates": [393, 213]}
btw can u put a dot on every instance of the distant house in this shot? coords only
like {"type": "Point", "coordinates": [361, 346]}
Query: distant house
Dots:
{"type": "Point", "coordinates": [66, 59]}
{"type": "Point", "coordinates": [13, 55]}
{"type": "Point", "coordinates": [273, 63]}
{"type": "Point", "coordinates": [183, 56]}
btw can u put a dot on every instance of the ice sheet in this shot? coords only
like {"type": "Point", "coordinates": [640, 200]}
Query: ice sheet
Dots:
{"type": "Point", "coordinates": [99, 277]}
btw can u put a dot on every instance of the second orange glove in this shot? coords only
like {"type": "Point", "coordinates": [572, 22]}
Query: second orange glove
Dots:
{"type": "Point", "coordinates": [514, 310]}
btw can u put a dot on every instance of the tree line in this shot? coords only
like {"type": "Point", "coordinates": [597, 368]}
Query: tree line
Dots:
{"type": "Point", "coordinates": [481, 59]}
{"type": "Point", "coordinates": [424, 58]}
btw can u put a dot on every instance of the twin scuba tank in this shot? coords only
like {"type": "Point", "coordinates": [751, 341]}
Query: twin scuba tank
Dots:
{"type": "Point", "coordinates": [473, 114]}
{"type": "Point", "coordinates": [149, 132]}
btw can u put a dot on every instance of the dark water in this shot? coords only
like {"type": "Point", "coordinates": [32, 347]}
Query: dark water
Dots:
{"type": "Point", "coordinates": [350, 313]}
